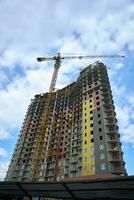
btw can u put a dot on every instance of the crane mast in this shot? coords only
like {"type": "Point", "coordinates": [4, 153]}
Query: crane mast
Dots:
{"type": "Point", "coordinates": [47, 108]}
{"type": "Point", "coordinates": [44, 123]}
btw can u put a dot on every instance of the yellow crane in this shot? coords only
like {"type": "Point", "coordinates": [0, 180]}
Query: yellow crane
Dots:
{"type": "Point", "coordinates": [46, 113]}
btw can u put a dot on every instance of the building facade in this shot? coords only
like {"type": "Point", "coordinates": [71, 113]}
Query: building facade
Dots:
{"type": "Point", "coordinates": [82, 137]}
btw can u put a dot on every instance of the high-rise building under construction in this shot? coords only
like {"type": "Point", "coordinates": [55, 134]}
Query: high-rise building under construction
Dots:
{"type": "Point", "coordinates": [82, 136]}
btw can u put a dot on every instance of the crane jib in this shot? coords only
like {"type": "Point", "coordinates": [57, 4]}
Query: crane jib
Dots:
{"type": "Point", "coordinates": [58, 58]}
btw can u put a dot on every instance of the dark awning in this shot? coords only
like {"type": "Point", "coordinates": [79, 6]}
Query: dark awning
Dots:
{"type": "Point", "coordinates": [110, 188]}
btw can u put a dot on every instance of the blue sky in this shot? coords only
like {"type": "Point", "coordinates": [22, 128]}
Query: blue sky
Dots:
{"type": "Point", "coordinates": [29, 29]}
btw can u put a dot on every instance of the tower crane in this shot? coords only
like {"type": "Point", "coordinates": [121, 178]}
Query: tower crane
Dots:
{"type": "Point", "coordinates": [46, 114]}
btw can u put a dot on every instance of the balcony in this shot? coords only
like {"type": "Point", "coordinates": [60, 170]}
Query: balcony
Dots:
{"type": "Point", "coordinates": [73, 169]}
{"type": "Point", "coordinates": [110, 123]}
{"type": "Point", "coordinates": [49, 175]}
{"type": "Point", "coordinates": [74, 153]}
{"type": "Point", "coordinates": [117, 161]}
{"type": "Point", "coordinates": [111, 129]}
{"type": "Point", "coordinates": [117, 170]}
{"type": "Point", "coordinates": [114, 149]}
{"type": "Point", "coordinates": [66, 163]}
{"type": "Point", "coordinates": [66, 171]}
{"type": "Point", "coordinates": [74, 160]}
{"type": "Point", "coordinates": [112, 139]}
{"type": "Point", "coordinates": [115, 157]}
{"type": "Point", "coordinates": [111, 117]}
{"type": "Point", "coordinates": [80, 155]}
{"type": "Point", "coordinates": [51, 167]}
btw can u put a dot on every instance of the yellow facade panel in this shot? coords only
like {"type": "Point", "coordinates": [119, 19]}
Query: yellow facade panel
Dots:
{"type": "Point", "coordinates": [87, 154]}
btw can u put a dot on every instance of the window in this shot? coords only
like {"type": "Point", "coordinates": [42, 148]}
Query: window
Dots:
{"type": "Point", "coordinates": [85, 114]}
{"type": "Point", "coordinates": [91, 125]}
{"type": "Point", "coordinates": [103, 166]}
{"type": "Point", "coordinates": [92, 140]}
{"type": "Point", "coordinates": [99, 122]}
{"type": "Point", "coordinates": [91, 132]}
{"type": "Point", "coordinates": [98, 103]}
{"type": "Point", "coordinates": [91, 118]}
{"type": "Point", "coordinates": [90, 106]}
{"type": "Point", "coordinates": [85, 120]}
{"type": "Point", "coordinates": [91, 112]}
{"type": "Point", "coordinates": [98, 109]}
{"type": "Point", "coordinates": [98, 115]}
{"type": "Point", "coordinates": [100, 129]}
{"type": "Point", "coordinates": [90, 100]}
{"type": "Point", "coordinates": [101, 146]}
{"type": "Point", "coordinates": [101, 138]}
{"type": "Point", "coordinates": [85, 127]}
{"type": "Point", "coordinates": [97, 97]}
{"type": "Point", "coordinates": [97, 92]}
{"type": "Point", "coordinates": [102, 156]}
{"type": "Point", "coordinates": [85, 150]}
{"type": "Point", "coordinates": [85, 134]}
{"type": "Point", "coordinates": [85, 142]}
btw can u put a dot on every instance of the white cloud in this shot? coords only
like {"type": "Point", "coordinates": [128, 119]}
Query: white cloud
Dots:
{"type": "Point", "coordinates": [3, 152]}
{"type": "Point", "coordinates": [15, 99]}
{"type": "Point", "coordinates": [40, 28]}
{"type": "Point", "coordinates": [3, 169]}
{"type": "Point", "coordinates": [4, 133]}
{"type": "Point", "coordinates": [119, 66]}
{"type": "Point", "coordinates": [131, 100]}
{"type": "Point", "coordinates": [128, 135]}
{"type": "Point", "coordinates": [116, 89]}
{"type": "Point", "coordinates": [125, 117]}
